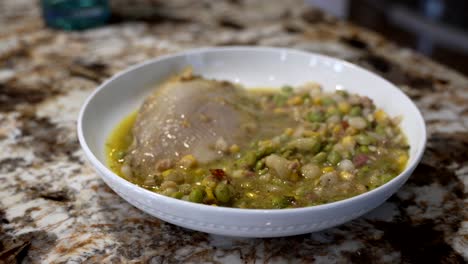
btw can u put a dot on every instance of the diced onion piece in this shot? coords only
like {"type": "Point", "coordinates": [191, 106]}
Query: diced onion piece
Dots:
{"type": "Point", "coordinates": [357, 122]}
{"type": "Point", "coordinates": [346, 165]}
{"type": "Point", "coordinates": [278, 164]}
{"type": "Point", "coordinates": [310, 171]}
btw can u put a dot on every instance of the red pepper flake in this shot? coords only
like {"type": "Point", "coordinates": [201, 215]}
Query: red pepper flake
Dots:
{"type": "Point", "coordinates": [360, 159]}
{"type": "Point", "coordinates": [249, 173]}
{"type": "Point", "coordinates": [219, 174]}
{"type": "Point", "coordinates": [344, 124]}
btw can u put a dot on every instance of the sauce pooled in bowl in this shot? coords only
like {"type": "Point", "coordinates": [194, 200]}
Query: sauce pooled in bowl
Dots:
{"type": "Point", "coordinates": [216, 143]}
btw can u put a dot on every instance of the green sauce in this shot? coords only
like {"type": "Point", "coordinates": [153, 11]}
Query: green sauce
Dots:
{"type": "Point", "coordinates": [335, 153]}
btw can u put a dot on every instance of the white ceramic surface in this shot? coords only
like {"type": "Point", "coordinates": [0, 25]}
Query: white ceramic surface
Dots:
{"type": "Point", "coordinates": [250, 66]}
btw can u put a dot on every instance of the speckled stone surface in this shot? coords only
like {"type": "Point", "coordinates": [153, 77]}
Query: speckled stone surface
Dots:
{"type": "Point", "coordinates": [55, 209]}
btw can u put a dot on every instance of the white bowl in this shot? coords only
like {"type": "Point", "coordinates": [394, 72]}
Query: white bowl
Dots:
{"type": "Point", "coordinates": [250, 66]}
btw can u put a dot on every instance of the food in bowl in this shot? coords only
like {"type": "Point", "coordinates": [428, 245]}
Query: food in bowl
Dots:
{"type": "Point", "coordinates": [217, 143]}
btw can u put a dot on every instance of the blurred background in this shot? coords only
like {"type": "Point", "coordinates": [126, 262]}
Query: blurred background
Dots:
{"type": "Point", "coordinates": [436, 28]}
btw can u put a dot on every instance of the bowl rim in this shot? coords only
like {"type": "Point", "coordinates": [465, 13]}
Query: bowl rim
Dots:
{"type": "Point", "coordinates": [209, 208]}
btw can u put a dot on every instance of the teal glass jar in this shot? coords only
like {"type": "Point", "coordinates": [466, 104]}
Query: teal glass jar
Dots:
{"type": "Point", "coordinates": [75, 14]}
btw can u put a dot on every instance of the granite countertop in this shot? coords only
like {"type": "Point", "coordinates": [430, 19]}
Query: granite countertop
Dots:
{"type": "Point", "coordinates": [55, 209]}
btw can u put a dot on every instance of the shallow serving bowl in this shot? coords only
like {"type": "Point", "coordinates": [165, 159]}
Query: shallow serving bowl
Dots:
{"type": "Point", "coordinates": [252, 67]}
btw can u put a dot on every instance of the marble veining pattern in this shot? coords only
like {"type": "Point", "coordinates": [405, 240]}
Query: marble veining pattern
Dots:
{"type": "Point", "coordinates": [55, 209]}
